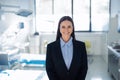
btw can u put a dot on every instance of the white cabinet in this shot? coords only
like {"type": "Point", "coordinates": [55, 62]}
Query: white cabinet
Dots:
{"type": "Point", "coordinates": [35, 44]}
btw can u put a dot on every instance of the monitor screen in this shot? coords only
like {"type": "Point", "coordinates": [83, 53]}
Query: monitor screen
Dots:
{"type": "Point", "coordinates": [3, 59]}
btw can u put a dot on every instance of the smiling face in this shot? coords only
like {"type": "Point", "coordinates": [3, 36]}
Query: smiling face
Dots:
{"type": "Point", "coordinates": [66, 30]}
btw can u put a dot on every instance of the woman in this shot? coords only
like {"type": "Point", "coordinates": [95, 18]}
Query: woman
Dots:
{"type": "Point", "coordinates": [66, 57]}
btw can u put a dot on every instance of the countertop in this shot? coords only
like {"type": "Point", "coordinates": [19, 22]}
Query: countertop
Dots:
{"type": "Point", "coordinates": [114, 50]}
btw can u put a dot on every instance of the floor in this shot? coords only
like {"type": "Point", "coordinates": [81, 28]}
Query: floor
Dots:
{"type": "Point", "coordinates": [97, 69]}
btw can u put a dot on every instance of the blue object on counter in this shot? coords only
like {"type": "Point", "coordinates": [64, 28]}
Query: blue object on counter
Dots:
{"type": "Point", "coordinates": [3, 59]}
{"type": "Point", "coordinates": [33, 62]}
{"type": "Point", "coordinates": [5, 73]}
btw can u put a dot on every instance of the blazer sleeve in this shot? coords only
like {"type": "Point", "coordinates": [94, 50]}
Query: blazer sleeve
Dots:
{"type": "Point", "coordinates": [49, 64]}
{"type": "Point", "coordinates": [84, 67]}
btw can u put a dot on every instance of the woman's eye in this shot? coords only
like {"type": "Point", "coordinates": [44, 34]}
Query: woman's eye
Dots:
{"type": "Point", "coordinates": [63, 26]}
{"type": "Point", "coordinates": [69, 26]}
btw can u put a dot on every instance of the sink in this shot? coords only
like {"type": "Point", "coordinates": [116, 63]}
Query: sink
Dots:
{"type": "Point", "coordinates": [118, 50]}
{"type": "Point", "coordinates": [116, 47]}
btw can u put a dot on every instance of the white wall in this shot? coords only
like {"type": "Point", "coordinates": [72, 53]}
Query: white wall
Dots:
{"type": "Point", "coordinates": [98, 40]}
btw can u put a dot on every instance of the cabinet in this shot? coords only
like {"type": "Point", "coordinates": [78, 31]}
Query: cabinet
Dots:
{"type": "Point", "coordinates": [114, 63]}
{"type": "Point", "coordinates": [10, 59]}
{"type": "Point", "coordinates": [35, 44]}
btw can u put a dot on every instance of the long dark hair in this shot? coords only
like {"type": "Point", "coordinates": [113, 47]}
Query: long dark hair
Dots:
{"type": "Point", "coordinates": [58, 30]}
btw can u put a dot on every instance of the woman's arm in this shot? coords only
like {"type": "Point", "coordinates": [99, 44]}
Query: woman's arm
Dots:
{"type": "Point", "coordinates": [49, 65]}
{"type": "Point", "coordinates": [84, 65]}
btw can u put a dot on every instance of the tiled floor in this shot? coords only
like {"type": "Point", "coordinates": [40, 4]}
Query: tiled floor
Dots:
{"type": "Point", "coordinates": [97, 69]}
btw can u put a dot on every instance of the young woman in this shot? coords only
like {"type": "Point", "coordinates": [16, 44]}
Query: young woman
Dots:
{"type": "Point", "coordinates": [66, 58]}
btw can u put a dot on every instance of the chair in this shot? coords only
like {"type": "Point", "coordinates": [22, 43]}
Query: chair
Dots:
{"type": "Point", "coordinates": [89, 52]}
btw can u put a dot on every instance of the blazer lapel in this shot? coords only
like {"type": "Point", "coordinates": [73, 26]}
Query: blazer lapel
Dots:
{"type": "Point", "coordinates": [60, 57]}
{"type": "Point", "coordinates": [75, 64]}
{"type": "Point", "coordinates": [76, 58]}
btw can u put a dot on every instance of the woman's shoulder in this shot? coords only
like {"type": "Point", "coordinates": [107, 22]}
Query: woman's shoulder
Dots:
{"type": "Point", "coordinates": [52, 43]}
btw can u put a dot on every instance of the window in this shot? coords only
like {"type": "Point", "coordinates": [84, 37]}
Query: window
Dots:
{"type": "Point", "coordinates": [88, 15]}
{"type": "Point", "coordinates": [81, 13]}
{"type": "Point", "coordinates": [44, 19]}
{"type": "Point", "coordinates": [48, 12]}
{"type": "Point", "coordinates": [61, 8]}
{"type": "Point", "coordinates": [99, 15]}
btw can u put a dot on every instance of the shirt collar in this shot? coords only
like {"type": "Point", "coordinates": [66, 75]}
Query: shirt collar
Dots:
{"type": "Point", "coordinates": [66, 43]}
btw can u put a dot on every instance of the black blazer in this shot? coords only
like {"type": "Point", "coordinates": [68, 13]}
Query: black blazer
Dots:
{"type": "Point", "coordinates": [56, 67]}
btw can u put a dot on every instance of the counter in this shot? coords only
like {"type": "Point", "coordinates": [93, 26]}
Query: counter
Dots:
{"type": "Point", "coordinates": [37, 61]}
{"type": "Point", "coordinates": [114, 51]}
{"type": "Point", "coordinates": [9, 58]}
{"type": "Point", "coordinates": [114, 62]}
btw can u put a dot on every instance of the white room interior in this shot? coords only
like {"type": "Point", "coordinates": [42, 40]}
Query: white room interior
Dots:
{"type": "Point", "coordinates": [24, 39]}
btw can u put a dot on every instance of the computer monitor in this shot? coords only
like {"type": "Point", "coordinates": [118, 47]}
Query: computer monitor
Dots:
{"type": "Point", "coordinates": [3, 59]}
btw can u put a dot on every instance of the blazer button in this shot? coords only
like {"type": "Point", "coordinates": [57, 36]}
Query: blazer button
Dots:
{"type": "Point", "coordinates": [67, 73]}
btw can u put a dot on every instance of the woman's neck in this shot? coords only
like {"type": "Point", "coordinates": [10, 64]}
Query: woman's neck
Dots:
{"type": "Point", "coordinates": [66, 39]}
